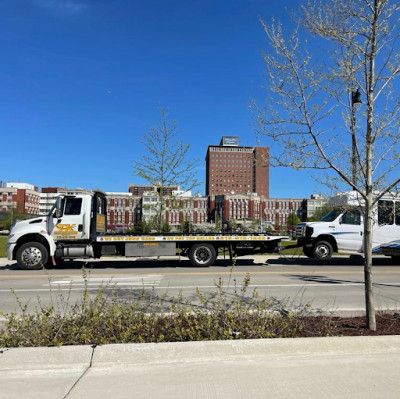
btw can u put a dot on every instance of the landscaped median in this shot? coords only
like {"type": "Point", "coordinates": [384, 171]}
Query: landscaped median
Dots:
{"type": "Point", "coordinates": [143, 317]}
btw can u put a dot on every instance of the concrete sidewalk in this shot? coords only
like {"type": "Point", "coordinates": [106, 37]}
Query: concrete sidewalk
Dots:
{"type": "Point", "coordinates": [348, 367]}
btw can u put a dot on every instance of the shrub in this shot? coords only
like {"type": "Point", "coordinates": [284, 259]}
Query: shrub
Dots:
{"type": "Point", "coordinates": [106, 318]}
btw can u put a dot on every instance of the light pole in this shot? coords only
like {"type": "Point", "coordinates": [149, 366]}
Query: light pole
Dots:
{"type": "Point", "coordinates": [355, 100]}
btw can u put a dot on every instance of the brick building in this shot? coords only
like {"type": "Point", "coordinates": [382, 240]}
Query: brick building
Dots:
{"type": "Point", "coordinates": [191, 209]}
{"type": "Point", "coordinates": [254, 207]}
{"type": "Point", "coordinates": [140, 189]}
{"type": "Point", "coordinates": [123, 209]}
{"type": "Point", "coordinates": [21, 196]}
{"type": "Point", "coordinates": [233, 169]}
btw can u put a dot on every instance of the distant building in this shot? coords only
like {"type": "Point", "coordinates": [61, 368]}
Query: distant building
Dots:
{"type": "Point", "coordinates": [233, 169]}
{"type": "Point", "coordinates": [23, 186]}
{"type": "Point", "coordinates": [123, 210]}
{"type": "Point", "coordinates": [138, 189]}
{"type": "Point", "coordinates": [48, 197]}
{"type": "Point", "coordinates": [274, 211]}
{"type": "Point", "coordinates": [186, 208]}
{"type": "Point", "coordinates": [312, 205]}
{"type": "Point", "coordinates": [21, 196]}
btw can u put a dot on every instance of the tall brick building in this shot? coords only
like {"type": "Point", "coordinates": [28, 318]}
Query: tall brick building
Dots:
{"type": "Point", "coordinates": [233, 169]}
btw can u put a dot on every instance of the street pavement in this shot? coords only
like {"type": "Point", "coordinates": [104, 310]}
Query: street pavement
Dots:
{"type": "Point", "coordinates": [332, 367]}
{"type": "Point", "coordinates": [345, 367]}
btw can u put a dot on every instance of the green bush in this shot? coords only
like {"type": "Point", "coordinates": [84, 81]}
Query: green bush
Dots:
{"type": "Point", "coordinates": [106, 318]}
{"type": "Point", "coordinates": [3, 244]}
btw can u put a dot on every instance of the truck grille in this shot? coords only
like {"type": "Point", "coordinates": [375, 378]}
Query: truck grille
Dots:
{"type": "Point", "coordinates": [300, 230]}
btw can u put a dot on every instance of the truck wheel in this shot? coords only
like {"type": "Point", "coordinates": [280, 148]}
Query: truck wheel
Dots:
{"type": "Point", "coordinates": [323, 250]}
{"type": "Point", "coordinates": [32, 256]}
{"type": "Point", "coordinates": [202, 255]}
{"type": "Point", "coordinates": [308, 251]}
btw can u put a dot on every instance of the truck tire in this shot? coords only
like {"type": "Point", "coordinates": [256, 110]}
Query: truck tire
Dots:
{"type": "Point", "coordinates": [32, 256]}
{"type": "Point", "coordinates": [323, 250]}
{"type": "Point", "coordinates": [308, 251]}
{"type": "Point", "coordinates": [202, 255]}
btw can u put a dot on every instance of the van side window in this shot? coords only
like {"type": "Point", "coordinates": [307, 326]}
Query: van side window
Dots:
{"type": "Point", "coordinates": [385, 212]}
{"type": "Point", "coordinates": [351, 217]}
{"type": "Point", "coordinates": [73, 206]}
{"type": "Point", "coordinates": [397, 213]}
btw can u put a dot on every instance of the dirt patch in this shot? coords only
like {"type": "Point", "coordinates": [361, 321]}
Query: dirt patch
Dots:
{"type": "Point", "coordinates": [387, 324]}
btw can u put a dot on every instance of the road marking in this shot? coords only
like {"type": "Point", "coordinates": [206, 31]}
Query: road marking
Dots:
{"type": "Point", "coordinates": [216, 273]}
{"type": "Point", "coordinates": [145, 286]}
{"type": "Point", "coordinates": [142, 280]}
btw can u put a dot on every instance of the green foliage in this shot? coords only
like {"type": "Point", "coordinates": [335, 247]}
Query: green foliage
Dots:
{"type": "Point", "coordinates": [142, 227]}
{"type": "Point", "coordinates": [292, 221]}
{"type": "Point", "coordinates": [186, 227]}
{"type": "Point", "coordinates": [165, 227]}
{"type": "Point", "coordinates": [3, 245]}
{"type": "Point", "coordinates": [157, 224]}
{"type": "Point", "coordinates": [12, 216]}
{"type": "Point", "coordinates": [145, 317]}
{"type": "Point", "coordinates": [319, 213]}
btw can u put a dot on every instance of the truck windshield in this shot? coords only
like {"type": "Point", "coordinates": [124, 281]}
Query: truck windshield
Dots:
{"type": "Point", "coordinates": [332, 215]}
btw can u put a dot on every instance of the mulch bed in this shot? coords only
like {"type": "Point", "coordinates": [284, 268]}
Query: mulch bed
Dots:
{"type": "Point", "coordinates": [387, 324]}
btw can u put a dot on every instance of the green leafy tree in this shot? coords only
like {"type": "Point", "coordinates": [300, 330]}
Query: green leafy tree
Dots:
{"type": "Point", "coordinates": [142, 227]}
{"type": "Point", "coordinates": [11, 217]}
{"type": "Point", "coordinates": [292, 221]}
{"type": "Point", "coordinates": [338, 54]}
{"type": "Point", "coordinates": [165, 162]}
{"type": "Point", "coordinates": [320, 213]}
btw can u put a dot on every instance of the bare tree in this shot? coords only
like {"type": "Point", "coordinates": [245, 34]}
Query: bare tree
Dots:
{"type": "Point", "coordinates": [165, 164]}
{"type": "Point", "coordinates": [337, 48]}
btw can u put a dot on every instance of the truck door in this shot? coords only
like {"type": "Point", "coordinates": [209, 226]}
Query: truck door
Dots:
{"type": "Point", "coordinates": [350, 232]}
{"type": "Point", "coordinates": [73, 224]}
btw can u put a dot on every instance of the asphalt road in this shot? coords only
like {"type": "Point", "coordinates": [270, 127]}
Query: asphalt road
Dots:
{"type": "Point", "coordinates": [333, 286]}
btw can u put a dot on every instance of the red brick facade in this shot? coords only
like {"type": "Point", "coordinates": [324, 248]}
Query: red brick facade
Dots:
{"type": "Point", "coordinates": [238, 170]}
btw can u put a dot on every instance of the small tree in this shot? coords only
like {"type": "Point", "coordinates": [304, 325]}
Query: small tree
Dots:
{"type": "Point", "coordinates": [165, 165]}
{"type": "Point", "coordinates": [11, 217]}
{"type": "Point", "coordinates": [292, 221]}
{"type": "Point", "coordinates": [309, 93]}
{"type": "Point", "coordinates": [142, 227]}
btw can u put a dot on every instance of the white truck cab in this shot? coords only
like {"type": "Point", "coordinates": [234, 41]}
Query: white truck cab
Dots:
{"type": "Point", "coordinates": [342, 229]}
{"type": "Point", "coordinates": [67, 232]}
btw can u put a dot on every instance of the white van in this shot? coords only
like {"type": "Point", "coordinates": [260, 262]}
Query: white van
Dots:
{"type": "Point", "coordinates": [342, 229]}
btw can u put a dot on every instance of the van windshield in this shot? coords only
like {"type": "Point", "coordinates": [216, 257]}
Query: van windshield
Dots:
{"type": "Point", "coordinates": [332, 215]}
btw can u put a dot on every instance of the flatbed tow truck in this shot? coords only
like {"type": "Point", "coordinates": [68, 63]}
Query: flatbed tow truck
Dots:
{"type": "Point", "coordinates": [75, 228]}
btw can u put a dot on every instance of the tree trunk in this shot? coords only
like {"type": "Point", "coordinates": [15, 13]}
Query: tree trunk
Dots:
{"type": "Point", "coordinates": [369, 295]}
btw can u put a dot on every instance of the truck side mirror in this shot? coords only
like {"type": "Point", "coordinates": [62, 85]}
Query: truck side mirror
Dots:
{"type": "Point", "coordinates": [58, 211]}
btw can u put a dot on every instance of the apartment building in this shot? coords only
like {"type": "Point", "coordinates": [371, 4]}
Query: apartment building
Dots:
{"type": "Point", "coordinates": [21, 196]}
{"type": "Point", "coordinates": [186, 208]}
{"type": "Point", "coordinates": [123, 210]}
{"type": "Point", "coordinates": [234, 169]}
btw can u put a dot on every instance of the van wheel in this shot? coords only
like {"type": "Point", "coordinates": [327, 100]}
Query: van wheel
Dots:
{"type": "Point", "coordinates": [202, 255]}
{"type": "Point", "coordinates": [32, 256]}
{"type": "Point", "coordinates": [323, 250]}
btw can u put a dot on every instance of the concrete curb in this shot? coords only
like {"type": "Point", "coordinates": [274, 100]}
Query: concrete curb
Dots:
{"type": "Point", "coordinates": [204, 351]}
{"type": "Point", "coordinates": [293, 368]}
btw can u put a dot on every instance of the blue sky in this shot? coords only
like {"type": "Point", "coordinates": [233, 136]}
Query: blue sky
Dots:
{"type": "Point", "coordinates": [83, 80]}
